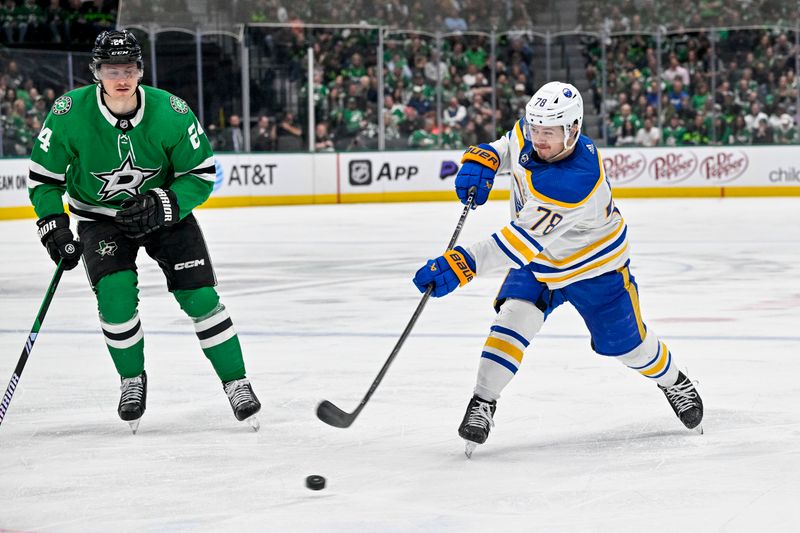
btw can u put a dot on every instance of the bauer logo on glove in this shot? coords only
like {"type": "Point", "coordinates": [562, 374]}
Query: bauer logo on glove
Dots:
{"type": "Point", "coordinates": [483, 154]}
{"type": "Point", "coordinates": [479, 165]}
{"type": "Point", "coordinates": [460, 267]}
{"type": "Point", "coordinates": [453, 269]}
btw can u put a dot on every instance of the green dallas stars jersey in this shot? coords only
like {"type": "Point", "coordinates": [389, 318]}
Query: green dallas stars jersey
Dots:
{"type": "Point", "coordinates": [100, 161]}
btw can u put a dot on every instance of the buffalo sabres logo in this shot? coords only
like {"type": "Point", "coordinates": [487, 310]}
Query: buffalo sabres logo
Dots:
{"type": "Point", "coordinates": [524, 158]}
{"type": "Point", "coordinates": [128, 178]}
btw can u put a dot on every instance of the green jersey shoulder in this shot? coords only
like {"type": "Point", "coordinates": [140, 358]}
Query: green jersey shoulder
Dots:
{"type": "Point", "coordinates": [101, 159]}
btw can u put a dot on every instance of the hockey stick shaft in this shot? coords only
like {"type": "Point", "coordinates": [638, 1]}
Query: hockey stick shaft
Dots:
{"type": "Point", "coordinates": [332, 415]}
{"type": "Point", "coordinates": [26, 350]}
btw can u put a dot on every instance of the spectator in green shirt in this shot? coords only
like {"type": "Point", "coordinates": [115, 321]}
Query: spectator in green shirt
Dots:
{"type": "Point", "coordinates": [697, 134]}
{"type": "Point", "coordinates": [626, 115]}
{"type": "Point", "coordinates": [424, 138]}
{"type": "Point", "coordinates": [674, 132]}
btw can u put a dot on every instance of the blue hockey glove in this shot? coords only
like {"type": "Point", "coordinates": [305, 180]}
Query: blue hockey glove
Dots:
{"type": "Point", "coordinates": [453, 269]}
{"type": "Point", "coordinates": [479, 165]}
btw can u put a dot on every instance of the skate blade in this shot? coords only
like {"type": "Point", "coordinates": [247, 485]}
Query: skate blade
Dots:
{"type": "Point", "coordinates": [134, 424]}
{"type": "Point", "coordinates": [469, 447]}
{"type": "Point", "coordinates": [698, 429]}
{"type": "Point", "coordinates": [254, 423]}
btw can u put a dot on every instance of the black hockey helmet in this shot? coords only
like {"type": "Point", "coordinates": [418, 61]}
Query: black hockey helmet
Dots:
{"type": "Point", "coordinates": [116, 46]}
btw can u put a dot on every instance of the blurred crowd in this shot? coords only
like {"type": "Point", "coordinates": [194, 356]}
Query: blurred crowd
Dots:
{"type": "Point", "coordinates": [650, 15]}
{"type": "Point", "coordinates": [748, 95]}
{"type": "Point", "coordinates": [23, 109]}
{"type": "Point", "coordinates": [346, 95]}
{"type": "Point", "coordinates": [45, 22]}
{"type": "Point", "coordinates": [437, 94]}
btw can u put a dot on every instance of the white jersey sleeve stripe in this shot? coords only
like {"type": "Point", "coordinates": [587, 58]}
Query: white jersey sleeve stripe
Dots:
{"type": "Point", "coordinates": [39, 169]}
{"type": "Point", "coordinates": [506, 251]}
{"type": "Point", "coordinates": [527, 236]}
{"type": "Point", "coordinates": [205, 170]}
{"type": "Point", "coordinates": [516, 243]}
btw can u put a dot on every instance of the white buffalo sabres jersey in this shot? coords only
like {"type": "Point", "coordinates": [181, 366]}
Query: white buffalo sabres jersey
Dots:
{"type": "Point", "coordinates": [564, 224]}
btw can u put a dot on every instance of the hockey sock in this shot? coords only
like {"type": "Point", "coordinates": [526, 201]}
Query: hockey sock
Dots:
{"type": "Point", "coordinates": [516, 324]}
{"type": "Point", "coordinates": [117, 298]}
{"type": "Point", "coordinates": [215, 331]}
{"type": "Point", "coordinates": [653, 360]}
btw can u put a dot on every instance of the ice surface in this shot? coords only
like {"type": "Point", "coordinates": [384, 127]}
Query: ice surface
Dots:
{"type": "Point", "coordinates": [320, 295]}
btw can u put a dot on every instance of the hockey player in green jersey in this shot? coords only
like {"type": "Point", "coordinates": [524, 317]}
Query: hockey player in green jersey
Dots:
{"type": "Point", "coordinates": [134, 162]}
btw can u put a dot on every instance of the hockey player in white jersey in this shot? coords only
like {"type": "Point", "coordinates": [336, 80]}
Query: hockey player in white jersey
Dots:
{"type": "Point", "coordinates": [566, 242]}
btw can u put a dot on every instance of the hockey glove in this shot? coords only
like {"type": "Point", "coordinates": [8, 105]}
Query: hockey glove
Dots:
{"type": "Point", "coordinates": [479, 165]}
{"type": "Point", "coordinates": [58, 239]}
{"type": "Point", "coordinates": [453, 269]}
{"type": "Point", "coordinates": [145, 213]}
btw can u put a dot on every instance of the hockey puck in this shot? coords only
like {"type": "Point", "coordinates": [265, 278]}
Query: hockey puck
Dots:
{"type": "Point", "coordinates": [315, 482]}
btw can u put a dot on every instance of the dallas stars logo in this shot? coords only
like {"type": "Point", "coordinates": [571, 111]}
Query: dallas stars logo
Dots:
{"type": "Point", "coordinates": [128, 178]}
{"type": "Point", "coordinates": [62, 105]}
{"type": "Point", "coordinates": [106, 248]}
{"type": "Point", "coordinates": [178, 105]}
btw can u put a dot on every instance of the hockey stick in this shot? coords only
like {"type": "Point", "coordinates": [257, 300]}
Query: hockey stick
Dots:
{"type": "Point", "coordinates": [26, 351]}
{"type": "Point", "coordinates": [332, 415]}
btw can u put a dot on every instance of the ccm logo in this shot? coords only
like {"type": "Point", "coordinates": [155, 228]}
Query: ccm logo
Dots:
{"type": "Point", "coordinates": [190, 264]}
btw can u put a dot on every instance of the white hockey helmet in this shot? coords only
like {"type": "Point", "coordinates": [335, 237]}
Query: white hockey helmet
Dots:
{"type": "Point", "coordinates": [555, 104]}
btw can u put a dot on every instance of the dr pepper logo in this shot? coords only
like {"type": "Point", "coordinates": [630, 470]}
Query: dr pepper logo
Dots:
{"type": "Point", "coordinates": [624, 167]}
{"type": "Point", "coordinates": [723, 166]}
{"type": "Point", "coordinates": [673, 167]}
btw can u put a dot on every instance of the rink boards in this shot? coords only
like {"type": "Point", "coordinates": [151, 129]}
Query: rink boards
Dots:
{"type": "Point", "coordinates": [351, 177]}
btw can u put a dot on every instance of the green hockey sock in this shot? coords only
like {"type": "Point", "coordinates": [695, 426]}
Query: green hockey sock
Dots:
{"type": "Point", "coordinates": [215, 331]}
{"type": "Point", "coordinates": [117, 299]}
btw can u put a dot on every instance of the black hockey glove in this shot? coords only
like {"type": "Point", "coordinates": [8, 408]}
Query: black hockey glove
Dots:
{"type": "Point", "coordinates": [58, 239]}
{"type": "Point", "coordinates": [147, 212]}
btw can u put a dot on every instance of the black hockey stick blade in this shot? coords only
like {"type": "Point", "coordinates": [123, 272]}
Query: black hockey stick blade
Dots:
{"type": "Point", "coordinates": [332, 415]}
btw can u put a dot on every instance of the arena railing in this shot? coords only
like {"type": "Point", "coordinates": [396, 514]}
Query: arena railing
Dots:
{"type": "Point", "coordinates": [269, 69]}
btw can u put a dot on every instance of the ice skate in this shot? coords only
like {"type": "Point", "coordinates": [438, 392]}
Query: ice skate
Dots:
{"type": "Point", "coordinates": [477, 422]}
{"type": "Point", "coordinates": [686, 402]}
{"type": "Point", "coordinates": [133, 399]}
{"type": "Point", "coordinates": [243, 401]}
